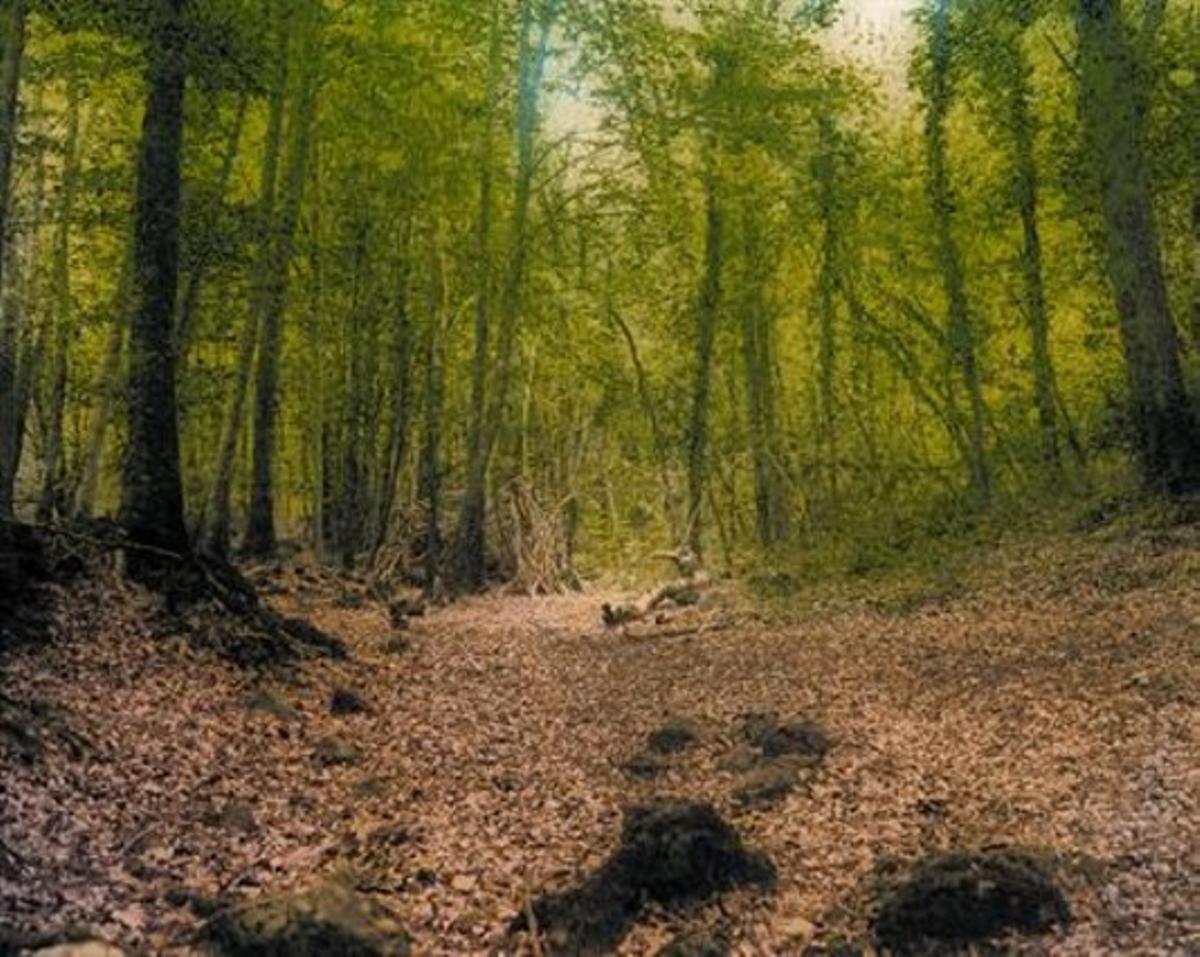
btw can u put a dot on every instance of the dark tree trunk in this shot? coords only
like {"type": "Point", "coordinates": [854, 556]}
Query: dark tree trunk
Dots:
{"type": "Point", "coordinates": [215, 523]}
{"type": "Point", "coordinates": [13, 19]}
{"type": "Point", "coordinates": [1111, 103]}
{"type": "Point", "coordinates": [260, 528]}
{"type": "Point", "coordinates": [152, 494]}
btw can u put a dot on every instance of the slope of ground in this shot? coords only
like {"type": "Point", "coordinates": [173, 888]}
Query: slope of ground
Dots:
{"type": "Point", "coordinates": [1055, 709]}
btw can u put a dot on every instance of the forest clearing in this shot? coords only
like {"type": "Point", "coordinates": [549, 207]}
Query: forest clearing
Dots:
{"type": "Point", "coordinates": [500, 738]}
{"type": "Point", "coordinates": [585, 477]}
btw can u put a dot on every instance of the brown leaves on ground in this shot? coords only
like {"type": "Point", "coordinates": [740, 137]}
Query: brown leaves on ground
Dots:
{"type": "Point", "coordinates": [1056, 713]}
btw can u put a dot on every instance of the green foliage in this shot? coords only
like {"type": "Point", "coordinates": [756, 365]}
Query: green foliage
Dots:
{"type": "Point", "coordinates": [838, 430]}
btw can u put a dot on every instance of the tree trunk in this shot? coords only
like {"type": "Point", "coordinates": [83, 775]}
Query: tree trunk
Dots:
{"type": "Point", "coordinates": [431, 438]}
{"type": "Point", "coordinates": [656, 433]}
{"type": "Point", "coordinates": [825, 168]}
{"type": "Point", "coordinates": [190, 301]}
{"type": "Point", "coordinates": [260, 530]}
{"type": "Point", "coordinates": [471, 542]}
{"type": "Point", "coordinates": [961, 336]}
{"type": "Point", "coordinates": [396, 446]}
{"type": "Point", "coordinates": [110, 387]}
{"type": "Point", "coordinates": [13, 19]}
{"type": "Point", "coordinates": [706, 327]}
{"type": "Point", "coordinates": [771, 518]}
{"type": "Point", "coordinates": [215, 523]}
{"type": "Point", "coordinates": [1022, 126]}
{"type": "Point", "coordinates": [53, 464]}
{"type": "Point", "coordinates": [1111, 104]}
{"type": "Point", "coordinates": [152, 495]}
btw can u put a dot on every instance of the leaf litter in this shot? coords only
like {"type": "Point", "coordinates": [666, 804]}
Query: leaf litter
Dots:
{"type": "Point", "coordinates": [1048, 713]}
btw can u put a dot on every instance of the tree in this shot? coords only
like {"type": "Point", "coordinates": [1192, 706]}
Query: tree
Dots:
{"type": "Point", "coordinates": [961, 336]}
{"type": "Point", "coordinates": [1111, 108]}
{"type": "Point", "coordinates": [152, 491]}
{"type": "Point", "coordinates": [260, 526]}
{"type": "Point", "coordinates": [12, 14]}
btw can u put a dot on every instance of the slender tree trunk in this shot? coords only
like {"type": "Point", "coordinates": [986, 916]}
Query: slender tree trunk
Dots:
{"type": "Point", "coordinates": [110, 388]}
{"type": "Point", "coordinates": [190, 301]}
{"type": "Point", "coordinates": [1023, 129]}
{"type": "Point", "coordinates": [396, 446]}
{"type": "Point", "coordinates": [471, 543]}
{"type": "Point", "coordinates": [825, 168]}
{"type": "Point", "coordinates": [431, 437]}
{"type": "Point", "coordinates": [53, 464]}
{"type": "Point", "coordinates": [1196, 267]}
{"type": "Point", "coordinates": [28, 343]}
{"type": "Point", "coordinates": [1111, 104]}
{"type": "Point", "coordinates": [216, 520]}
{"type": "Point", "coordinates": [13, 19]}
{"type": "Point", "coordinates": [961, 330]}
{"type": "Point", "coordinates": [771, 519]}
{"type": "Point", "coordinates": [260, 529]}
{"type": "Point", "coordinates": [152, 495]}
{"type": "Point", "coordinates": [656, 433]}
{"type": "Point", "coordinates": [706, 328]}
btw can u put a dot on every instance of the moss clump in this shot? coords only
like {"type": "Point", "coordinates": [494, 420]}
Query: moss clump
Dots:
{"type": "Point", "coordinates": [671, 853]}
{"type": "Point", "coordinates": [329, 920]}
{"type": "Point", "coordinates": [965, 897]}
{"type": "Point", "coordinates": [675, 735]}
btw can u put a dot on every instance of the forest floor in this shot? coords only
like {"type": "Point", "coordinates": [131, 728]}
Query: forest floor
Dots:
{"type": "Point", "coordinates": [1050, 704]}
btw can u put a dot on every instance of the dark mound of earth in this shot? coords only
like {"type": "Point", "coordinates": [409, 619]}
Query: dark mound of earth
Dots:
{"type": "Point", "coordinates": [671, 853]}
{"type": "Point", "coordinates": [958, 898]}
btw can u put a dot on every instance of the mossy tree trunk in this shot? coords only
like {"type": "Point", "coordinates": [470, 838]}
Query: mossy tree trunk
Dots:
{"type": "Point", "coordinates": [961, 336]}
{"type": "Point", "coordinates": [152, 492]}
{"type": "Point", "coordinates": [1112, 106]}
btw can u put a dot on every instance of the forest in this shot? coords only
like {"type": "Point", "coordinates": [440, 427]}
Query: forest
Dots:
{"type": "Point", "coordinates": [439, 437]}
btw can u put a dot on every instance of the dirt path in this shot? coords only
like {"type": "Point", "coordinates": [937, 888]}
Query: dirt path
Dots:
{"type": "Point", "coordinates": [1059, 716]}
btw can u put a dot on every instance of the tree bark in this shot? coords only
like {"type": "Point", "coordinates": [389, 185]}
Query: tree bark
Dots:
{"type": "Point", "coordinates": [260, 530]}
{"type": "Point", "coordinates": [648, 410]}
{"type": "Point", "coordinates": [1111, 105]}
{"type": "Point", "coordinates": [215, 523]}
{"type": "Point", "coordinates": [706, 327]}
{"type": "Point", "coordinates": [961, 336]}
{"type": "Point", "coordinates": [770, 509]}
{"type": "Point", "coordinates": [190, 301]}
{"type": "Point", "coordinates": [110, 388]}
{"type": "Point", "coordinates": [431, 437]}
{"type": "Point", "coordinates": [152, 494]}
{"type": "Point", "coordinates": [13, 19]}
{"type": "Point", "coordinates": [825, 168]}
{"type": "Point", "coordinates": [396, 446]}
{"type": "Point", "coordinates": [53, 464]}
{"type": "Point", "coordinates": [1036, 310]}
{"type": "Point", "coordinates": [470, 555]}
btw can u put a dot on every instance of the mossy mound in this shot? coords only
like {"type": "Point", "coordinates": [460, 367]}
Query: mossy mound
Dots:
{"type": "Point", "coordinates": [675, 735]}
{"type": "Point", "coordinates": [774, 738]}
{"type": "Point", "coordinates": [331, 752]}
{"type": "Point", "coordinates": [346, 701]}
{"type": "Point", "coordinates": [959, 898]}
{"type": "Point", "coordinates": [329, 920]}
{"type": "Point", "coordinates": [671, 853]}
